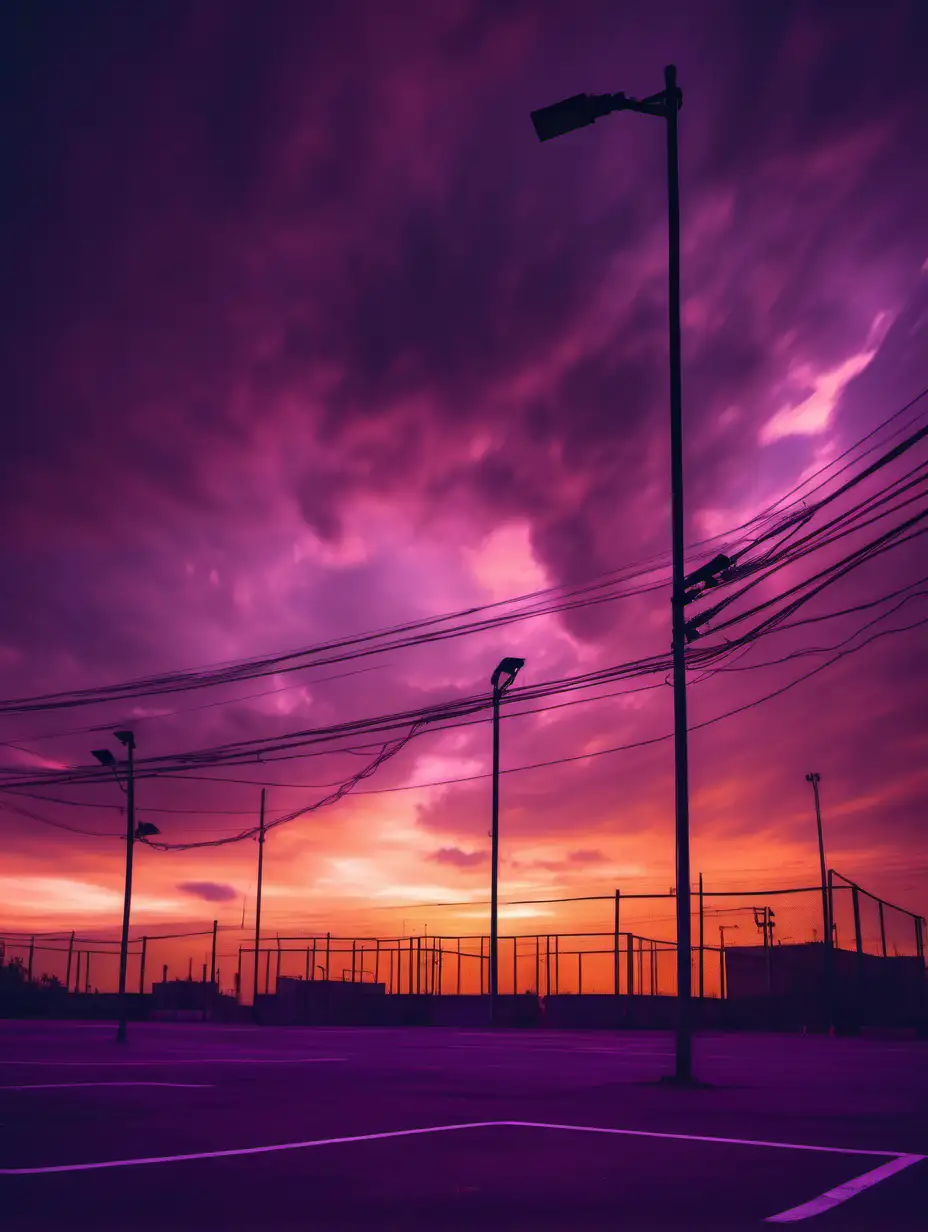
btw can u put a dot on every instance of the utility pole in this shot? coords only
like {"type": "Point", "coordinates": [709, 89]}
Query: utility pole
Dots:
{"type": "Point", "coordinates": [212, 963]}
{"type": "Point", "coordinates": [723, 929]}
{"type": "Point", "coordinates": [684, 1034]}
{"type": "Point", "coordinates": [258, 899]}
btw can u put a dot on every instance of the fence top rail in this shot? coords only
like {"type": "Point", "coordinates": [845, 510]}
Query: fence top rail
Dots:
{"type": "Point", "coordinates": [853, 885]}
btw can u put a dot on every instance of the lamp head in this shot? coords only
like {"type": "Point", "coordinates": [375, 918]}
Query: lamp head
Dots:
{"type": "Point", "coordinates": [146, 829]}
{"type": "Point", "coordinates": [575, 112]}
{"type": "Point", "coordinates": [509, 667]}
{"type": "Point", "coordinates": [104, 757]}
{"type": "Point", "coordinates": [125, 737]}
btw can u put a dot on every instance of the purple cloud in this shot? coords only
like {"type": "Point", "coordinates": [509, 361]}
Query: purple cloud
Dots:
{"type": "Point", "coordinates": [209, 891]}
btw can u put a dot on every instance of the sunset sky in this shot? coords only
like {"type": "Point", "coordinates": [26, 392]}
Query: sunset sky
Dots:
{"type": "Point", "coordinates": [308, 335]}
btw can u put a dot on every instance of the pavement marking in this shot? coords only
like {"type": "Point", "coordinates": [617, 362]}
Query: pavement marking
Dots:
{"type": "Point", "coordinates": [834, 1197]}
{"type": "Point", "coordinates": [247, 1150]}
{"type": "Point", "coordinates": [107, 1063]}
{"type": "Point", "coordinates": [651, 1133]}
{"type": "Point", "coordinates": [60, 1086]}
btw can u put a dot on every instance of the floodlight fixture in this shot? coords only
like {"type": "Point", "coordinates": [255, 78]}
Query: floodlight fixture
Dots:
{"type": "Point", "coordinates": [508, 667]}
{"type": "Point", "coordinates": [104, 757]}
{"type": "Point", "coordinates": [146, 829]}
{"type": "Point", "coordinates": [126, 738]}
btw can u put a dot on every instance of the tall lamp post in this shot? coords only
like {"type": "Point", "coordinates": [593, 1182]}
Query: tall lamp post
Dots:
{"type": "Point", "coordinates": [815, 779]}
{"type": "Point", "coordinates": [555, 121]}
{"type": "Point", "coordinates": [501, 680]}
{"type": "Point", "coordinates": [144, 830]}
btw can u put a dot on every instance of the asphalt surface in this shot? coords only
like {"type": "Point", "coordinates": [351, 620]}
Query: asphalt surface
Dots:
{"type": "Point", "coordinates": [415, 1129]}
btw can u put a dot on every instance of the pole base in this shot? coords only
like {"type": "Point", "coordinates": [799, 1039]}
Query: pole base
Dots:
{"type": "Point", "coordinates": [673, 1080]}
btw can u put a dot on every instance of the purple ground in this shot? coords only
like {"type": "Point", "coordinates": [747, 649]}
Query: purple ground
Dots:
{"type": "Point", "coordinates": [271, 1086]}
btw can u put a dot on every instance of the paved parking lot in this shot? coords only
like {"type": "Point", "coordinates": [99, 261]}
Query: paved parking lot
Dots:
{"type": "Point", "coordinates": [198, 1127]}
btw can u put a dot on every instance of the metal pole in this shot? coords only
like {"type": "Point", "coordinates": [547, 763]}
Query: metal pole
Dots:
{"type": "Point", "coordinates": [920, 937]}
{"type": "Point", "coordinates": [702, 924]}
{"type": "Point", "coordinates": [212, 962]}
{"type": "Point", "coordinates": [615, 943]}
{"type": "Point", "coordinates": [328, 953]}
{"type": "Point", "coordinates": [127, 902]}
{"type": "Point", "coordinates": [882, 930]}
{"type": "Point", "coordinates": [29, 962]}
{"type": "Point", "coordinates": [859, 962]}
{"type": "Point", "coordinates": [515, 966]}
{"type": "Point", "coordinates": [267, 973]}
{"type": "Point", "coordinates": [537, 965]}
{"type": "Point", "coordinates": [814, 780]}
{"type": "Point", "coordinates": [87, 957]}
{"type": "Point", "coordinates": [67, 977]}
{"type": "Point", "coordinates": [238, 976]}
{"type": "Point", "coordinates": [629, 964]}
{"type": "Point", "coordinates": [579, 973]}
{"type": "Point", "coordinates": [557, 964]}
{"type": "Point", "coordinates": [254, 1008]}
{"type": "Point", "coordinates": [721, 962]}
{"type": "Point", "coordinates": [377, 962]}
{"type": "Point", "coordinates": [684, 1038]}
{"type": "Point", "coordinates": [77, 973]}
{"type": "Point", "coordinates": [494, 869]}
{"type": "Point", "coordinates": [458, 977]}
{"type": "Point", "coordinates": [547, 964]}
{"type": "Point", "coordinates": [142, 965]}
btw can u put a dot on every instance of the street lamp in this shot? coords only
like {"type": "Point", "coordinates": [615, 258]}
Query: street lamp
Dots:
{"type": "Point", "coordinates": [501, 680]}
{"type": "Point", "coordinates": [815, 779]}
{"type": "Point", "coordinates": [555, 121]}
{"type": "Point", "coordinates": [144, 830]}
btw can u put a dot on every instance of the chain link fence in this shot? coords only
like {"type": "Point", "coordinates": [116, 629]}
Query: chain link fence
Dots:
{"type": "Point", "coordinates": [628, 946]}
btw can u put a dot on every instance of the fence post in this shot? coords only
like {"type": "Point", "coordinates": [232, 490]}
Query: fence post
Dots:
{"type": "Point", "coordinates": [87, 971]}
{"type": "Point", "coordinates": [31, 952]}
{"type": "Point", "coordinates": [858, 936]}
{"type": "Point", "coordinates": [557, 964]}
{"type": "Point", "coordinates": [354, 959]}
{"type": "Point", "coordinates": [702, 923]}
{"type": "Point", "coordinates": [77, 974]}
{"type": "Point", "coordinates": [859, 946]}
{"type": "Point", "coordinates": [458, 976]}
{"type": "Point", "coordinates": [142, 965]}
{"type": "Point", "coordinates": [580, 973]}
{"type": "Point", "coordinates": [328, 954]}
{"type": "Point", "coordinates": [920, 937]}
{"type": "Point", "coordinates": [537, 965]}
{"type": "Point", "coordinates": [377, 962]}
{"type": "Point", "coordinates": [547, 964]}
{"type": "Point", "coordinates": [882, 929]}
{"type": "Point", "coordinates": [267, 973]}
{"type": "Point", "coordinates": [629, 964]}
{"type": "Point", "coordinates": [615, 942]}
{"type": "Point", "coordinates": [67, 977]}
{"type": "Point", "coordinates": [515, 966]}
{"type": "Point", "coordinates": [212, 962]}
{"type": "Point", "coordinates": [238, 977]}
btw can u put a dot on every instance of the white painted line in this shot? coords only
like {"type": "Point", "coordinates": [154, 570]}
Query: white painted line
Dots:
{"type": "Point", "coordinates": [248, 1150]}
{"type": "Point", "coordinates": [834, 1197]}
{"type": "Point", "coordinates": [650, 1133]}
{"type": "Point", "coordinates": [106, 1063]}
{"type": "Point", "coordinates": [61, 1086]}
